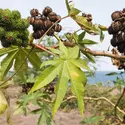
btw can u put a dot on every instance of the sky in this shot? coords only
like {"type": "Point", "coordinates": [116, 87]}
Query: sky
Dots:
{"type": "Point", "coordinates": [100, 9]}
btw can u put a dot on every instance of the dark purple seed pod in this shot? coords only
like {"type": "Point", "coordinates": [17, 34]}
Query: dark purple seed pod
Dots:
{"type": "Point", "coordinates": [50, 32]}
{"type": "Point", "coordinates": [47, 24]}
{"type": "Point", "coordinates": [43, 18]}
{"type": "Point", "coordinates": [110, 30]}
{"type": "Point", "coordinates": [123, 10]}
{"type": "Point", "coordinates": [58, 28]}
{"type": "Point", "coordinates": [116, 26]}
{"type": "Point", "coordinates": [37, 35]}
{"type": "Point", "coordinates": [52, 14]}
{"type": "Point", "coordinates": [58, 18]}
{"type": "Point", "coordinates": [121, 37]}
{"type": "Point", "coordinates": [121, 48]}
{"type": "Point", "coordinates": [53, 17]}
{"type": "Point", "coordinates": [46, 11]}
{"type": "Point", "coordinates": [42, 32]}
{"type": "Point", "coordinates": [31, 20]}
{"type": "Point", "coordinates": [115, 15]}
{"type": "Point", "coordinates": [34, 12]}
{"type": "Point", "coordinates": [84, 14]}
{"type": "Point", "coordinates": [113, 42]}
{"type": "Point", "coordinates": [37, 24]}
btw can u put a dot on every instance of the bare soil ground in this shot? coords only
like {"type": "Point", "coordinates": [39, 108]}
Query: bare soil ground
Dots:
{"type": "Point", "coordinates": [62, 118]}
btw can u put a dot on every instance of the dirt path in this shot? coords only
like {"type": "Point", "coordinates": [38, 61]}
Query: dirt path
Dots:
{"type": "Point", "coordinates": [61, 118]}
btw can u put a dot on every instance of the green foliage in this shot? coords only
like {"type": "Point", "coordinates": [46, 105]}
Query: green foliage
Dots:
{"type": "Point", "coordinates": [16, 56]}
{"type": "Point", "coordinates": [3, 103]}
{"type": "Point", "coordinates": [42, 107]}
{"type": "Point", "coordinates": [67, 67]}
{"type": "Point", "coordinates": [92, 120]}
{"type": "Point", "coordinates": [11, 28]}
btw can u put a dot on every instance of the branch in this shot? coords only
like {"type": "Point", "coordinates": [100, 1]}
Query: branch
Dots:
{"type": "Point", "coordinates": [91, 98]}
{"type": "Point", "coordinates": [123, 92]}
{"type": "Point", "coordinates": [107, 54]}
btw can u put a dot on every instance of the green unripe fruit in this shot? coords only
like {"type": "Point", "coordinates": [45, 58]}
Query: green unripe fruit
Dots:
{"type": "Point", "coordinates": [6, 17]}
{"type": "Point", "coordinates": [16, 14]}
{"type": "Point", "coordinates": [2, 32]}
{"type": "Point", "coordinates": [20, 24]}
{"type": "Point", "coordinates": [5, 43]}
{"type": "Point", "coordinates": [23, 34]}
{"type": "Point", "coordinates": [11, 36]}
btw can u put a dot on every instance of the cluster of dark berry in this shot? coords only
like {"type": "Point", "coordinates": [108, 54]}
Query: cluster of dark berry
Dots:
{"type": "Point", "coordinates": [88, 17]}
{"type": "Point", "coordinates": [26, 87]}
{"type": "Point", "coordinates": [42, 22]}
{"type": "Point", "coordinates": [13, 28]}
{"type": "Point", "coordinates": [117, 29]}
{"type": "Point", "coordinates": [50, 88]}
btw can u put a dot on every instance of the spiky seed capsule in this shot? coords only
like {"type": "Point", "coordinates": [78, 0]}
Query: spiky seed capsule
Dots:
{"type": "Point", "coordinates": [5, 43]}
{"type": "Point", "coordinates": [46, 11]}
{"type": "Point", "coordinates": [115, 15]}
{"type": "Point", "coordinates": [16, 14]}
{"type": "Point", "coordinates": [34, 12]}
{"type": "Point", "coordinates": [2, 32]}
{"type": "Point", "coordinates": [58, 28]}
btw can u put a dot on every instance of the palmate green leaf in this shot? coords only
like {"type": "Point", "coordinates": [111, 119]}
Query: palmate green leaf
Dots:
{"type": "Point", "coordinates": [19, 60]}
{"type": "Point", "coordinates": [82, 21]}
{"type": "Point", "coordinates": [67, 5]}
{"type": "Point", "coordinates": [89, 56]}
{"type": "Point", "coordinates": [101, 36]}
{"type": "Point", "coordinates": [56, 51]}
{"type": "Point", "coordinates": [74, 11]}
{"type": "Point", "coordinates": [61, 88]}
{"type": "Point", "coordinates": [6, 64]}
{"type": "Point", "coordinates": [46, 77]}
{"type": "Point", "coordinates": [73, 53]}
{"type": "Point", "coordinates": [4, 51]}
{"type": "Point", "coordinates": [3, 103]}
{"type": "Point", "coordinates": [78, 80]}
{"type": "Point", "coordinates": [67, 67]}
{"type": "Point", "coordinates": [44, 117]}
{"type": "Point", "coordinates": [103, 28]}
{"type": "Point", "coordinates": [87, 42]}
{"type": "Point", "coordinates": [92, 120]}
{"type": "Point", "coordinates": [80, 63]}
{"type": "Point", "coordinates": [81, 36]}
{"type": "Point", "coordinates": [63, 49]}
{"type": "Point", "coordinates": [51, 62]}
{"type": "Point", "coordinates": [33, 58]}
